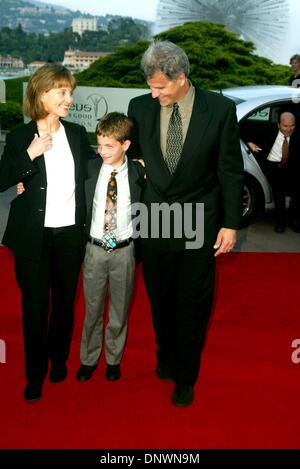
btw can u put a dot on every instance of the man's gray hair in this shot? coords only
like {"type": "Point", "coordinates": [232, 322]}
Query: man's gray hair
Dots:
{"type": "Point", "coordinates": [165, 57]}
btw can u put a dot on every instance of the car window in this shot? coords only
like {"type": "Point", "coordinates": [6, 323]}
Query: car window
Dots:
{"type": "Point", "coordinates": [260, 115]}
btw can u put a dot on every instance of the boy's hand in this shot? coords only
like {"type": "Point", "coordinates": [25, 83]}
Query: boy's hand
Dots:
{"type": "Point", "coordinates": [20, 188]}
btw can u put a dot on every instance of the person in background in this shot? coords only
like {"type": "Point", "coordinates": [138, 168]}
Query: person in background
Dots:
{"type": "Point", "coordinates": [294, 80]}
{"type": "Point", "coordinates": [189, 141]}
{"type": "Point", "coordinates": [45, 227]}
{"type": "Point", "coordinates": [109, 264]}
{"type": "Point", "coordinates": [278, 152]}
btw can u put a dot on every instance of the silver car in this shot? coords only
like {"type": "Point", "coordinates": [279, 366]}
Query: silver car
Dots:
{"type": "Point", "coordinates": [261, 105]}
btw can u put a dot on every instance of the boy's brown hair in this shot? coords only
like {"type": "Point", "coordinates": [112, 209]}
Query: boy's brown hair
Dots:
{"type": "Point", "coordinates": [115, 124]}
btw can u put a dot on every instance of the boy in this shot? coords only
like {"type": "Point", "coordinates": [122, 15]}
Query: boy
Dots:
{"type": "Point", "coordinates": [109, 263]}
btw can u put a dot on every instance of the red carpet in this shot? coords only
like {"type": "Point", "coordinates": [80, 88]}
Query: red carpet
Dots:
{"type": "Point", "coordinates": [247, 395]}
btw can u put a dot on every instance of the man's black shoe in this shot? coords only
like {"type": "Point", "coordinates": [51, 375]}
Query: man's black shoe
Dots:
{"type": "Point", "coordinates": [279, 228]}
{"type": "Point", "coordinates": [163, 371]}
{"type": "Point", "coordinates": [113, 372]}
{"type": "Point", "coordinates": [85, 372]}
{"type": "Point", "coordinates": [33, 391]}
{"type": "Point", "coordinates": [183, 396]}
{"type": "Point", "coordinates": [58, 373]}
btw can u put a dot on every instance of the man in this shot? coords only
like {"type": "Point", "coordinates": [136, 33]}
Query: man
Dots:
{"type": "Point", "coordinates": [277, 151]}
{"type": "Point", "coordinates": [204, 165]}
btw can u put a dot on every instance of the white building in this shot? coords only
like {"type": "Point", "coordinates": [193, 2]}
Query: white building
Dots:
{"type": "Point", "coordinates": [77, 60]}
{"type": "Point", "coordinates": [7, 61]}
{"type": "Point", "coordinates": [79, 25]}
{"type": "Point", "coordinates": [33, 66]}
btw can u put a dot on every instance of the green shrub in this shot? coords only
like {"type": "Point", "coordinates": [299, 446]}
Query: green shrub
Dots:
{"type": "Point", "coordinates": [11, 115]}
{"type": "Point", "coordinates": [14, 89]}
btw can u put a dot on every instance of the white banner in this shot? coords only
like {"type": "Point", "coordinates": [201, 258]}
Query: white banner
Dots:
{"type": "Point", "coordinates": [91, 103]}
{"type": "Point", "coordinates": [2, 91]}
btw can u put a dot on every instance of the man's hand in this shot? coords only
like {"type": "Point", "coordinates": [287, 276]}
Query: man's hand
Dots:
{"type": "Point", "coordinates": [39, 145]}
{"type": "Point", "coordinates": [253, 147]}
{"type": "Point", "coordinates": [225, 241]}
{"type": "Point", "coordinates": [139, 160]}
{"type": "Point", "coordinates": [20, 188]}
{"type": "Point", "coordinates": [142, 163]}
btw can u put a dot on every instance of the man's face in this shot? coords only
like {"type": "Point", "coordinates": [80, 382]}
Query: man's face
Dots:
{"type": "Point", "coordinates": [287, 125]}
{"type": "Point", "coordinates": [167, 91]}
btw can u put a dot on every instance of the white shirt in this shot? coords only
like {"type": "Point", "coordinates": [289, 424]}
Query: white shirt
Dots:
{"type": "Point", "coordinates": [124, 224]}
{"type": "Point", "coordinates": [275, 154]}
{"type": "Point", "coordinates": [60, 170]}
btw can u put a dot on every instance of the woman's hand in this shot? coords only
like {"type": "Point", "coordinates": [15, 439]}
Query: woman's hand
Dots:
{"type": "Point", "coordinates": [39, 145]}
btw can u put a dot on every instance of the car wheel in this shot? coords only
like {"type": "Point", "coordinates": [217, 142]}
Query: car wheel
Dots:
{"type": "Point", "coordinates": [252, 200]}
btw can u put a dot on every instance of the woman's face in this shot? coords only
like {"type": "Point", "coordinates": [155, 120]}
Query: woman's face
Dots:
{"type": "Point", "coordinates": [295, 65]}
{"type": "Point", "coordinates": [57, 101]}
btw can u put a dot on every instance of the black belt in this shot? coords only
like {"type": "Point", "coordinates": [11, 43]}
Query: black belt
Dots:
{"type": "Point", "coordinates": [119, 245]}
{"type": "Point", "coordinates": [278, 164]}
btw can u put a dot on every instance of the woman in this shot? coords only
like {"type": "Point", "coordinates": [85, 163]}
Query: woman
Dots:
{"type": "Point", "coordinates": [294, 80]}
{"type": "Point", "coordinates": [45, 224]}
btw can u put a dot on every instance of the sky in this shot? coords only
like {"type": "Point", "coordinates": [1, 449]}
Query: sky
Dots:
{"type": "Point", "coordinates": [146, 9]}
{"type": "Point", "coordinates": [143, 9]}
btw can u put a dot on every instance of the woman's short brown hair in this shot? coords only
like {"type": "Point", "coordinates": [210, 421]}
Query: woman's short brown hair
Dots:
{"type": "Point", "coordinates": [47, 77]}
{"type": "Point", "coordinates": [295, 57]}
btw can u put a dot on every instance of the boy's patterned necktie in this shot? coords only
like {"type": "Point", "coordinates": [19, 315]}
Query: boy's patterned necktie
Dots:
{"type": "Point", "coordinates": [110, 214]}
{"type": "Point", "coordinates": [174, 139]}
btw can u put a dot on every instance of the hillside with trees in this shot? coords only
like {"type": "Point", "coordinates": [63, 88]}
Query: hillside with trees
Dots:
{"type": "Point", "coordinates": [44, 18]}
{"type": "Point", "coordinates": [33, 46]}
{"type": "Point", "coordinates": [219, 59]}
{"type": "Point", "coordinates": [35, 16]}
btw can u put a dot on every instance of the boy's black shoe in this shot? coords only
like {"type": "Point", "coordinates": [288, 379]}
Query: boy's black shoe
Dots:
{"type": "Point", "coordinates": [113, 372]}
{"type": "Point", "coordinates": [85, 372]}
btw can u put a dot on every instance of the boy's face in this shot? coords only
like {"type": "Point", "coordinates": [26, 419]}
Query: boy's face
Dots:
{"type": "Point", "coordinates": [111, 150]}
